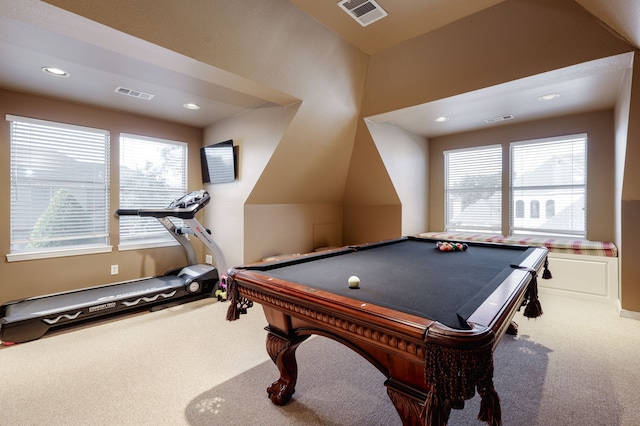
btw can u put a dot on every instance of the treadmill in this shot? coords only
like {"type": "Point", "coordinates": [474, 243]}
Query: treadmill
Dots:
{"type": "Point", "coordinates": [29, 319]}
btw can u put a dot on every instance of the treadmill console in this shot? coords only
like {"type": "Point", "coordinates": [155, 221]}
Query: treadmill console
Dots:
{"type": "Point", "coordinates": [184, 207]}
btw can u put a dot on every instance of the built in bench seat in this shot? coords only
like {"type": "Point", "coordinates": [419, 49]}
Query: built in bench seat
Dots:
{"type": "Point", "coordinates": [556, 245]}
{"type": "Point", "coordinates": [582, 268]}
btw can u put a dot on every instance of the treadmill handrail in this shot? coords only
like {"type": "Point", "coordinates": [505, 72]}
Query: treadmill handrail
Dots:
{"type": "Point", "coordinates": [197, 200]}
{"type": "Point", "coordinates": [185, 208]}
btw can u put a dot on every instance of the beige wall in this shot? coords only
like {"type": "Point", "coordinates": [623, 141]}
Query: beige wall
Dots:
{"type": "Point", "coordinates": [512, 40]}
{"type": "Point", "coordinates": [621, 124]}
{"type": "Point", "coordinates": [630, 210]}
{"type": "Point", "coordinates": [326, 156]}
{"type": "Point", "coordinates": [297, 228]}
{"type": "Point", "coordinates": [257, 134]}
{"type": "Point", "coordinates": [275, 44]}
{"type": "Point", "coordinates": [36, 277]}
{"type": "Point", "coordinates": [406, 159]}
{"type": "Point", "coordinates": [600, 163]}
{"type": "Point", "coordinates": [509, 41]}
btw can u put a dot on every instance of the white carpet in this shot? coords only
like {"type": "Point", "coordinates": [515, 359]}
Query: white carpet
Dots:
{"type": "Point", "coordinates": [578, 364]}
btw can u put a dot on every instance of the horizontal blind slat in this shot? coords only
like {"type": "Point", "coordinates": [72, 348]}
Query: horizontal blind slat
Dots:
{"type": "Point", "coordinates": [59, 185]}
{"type": "Point", "coordinates": [548, 189]}
{"type": "Point", "coordinates": [153, 172]}
{"type": "Point", "coordinates": [473, 195]}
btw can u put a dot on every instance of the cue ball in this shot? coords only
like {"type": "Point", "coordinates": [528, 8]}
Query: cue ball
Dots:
{"type": "Point", "coordinates": [354, 282]}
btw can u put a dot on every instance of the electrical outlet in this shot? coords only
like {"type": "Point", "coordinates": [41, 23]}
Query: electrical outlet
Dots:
{"type": "Point", "coordinates": [114, 269]}
{"type": "Point", "coordinates": [208, 259]}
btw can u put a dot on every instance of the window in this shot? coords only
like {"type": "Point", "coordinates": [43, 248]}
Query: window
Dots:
{"type": "Point", "coordinates": [59, 188]}
{"type": "Point", "coordinates": [473, 189]}
{"type": "Point", "coordinates": [553, 169]}
{"type": "Point", "coordinates": [535, 209]}
{"type": "Point", "coordinates": [551, 208]}
{"type": "Point", "coordinates": [519, 208]}
{"type": "Point", "coordinates": [153, 172]}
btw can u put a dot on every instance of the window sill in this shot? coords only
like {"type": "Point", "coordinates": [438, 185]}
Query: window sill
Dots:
{"type": "Point", "coordinates": [147, 245]}
{"type": "Point", "coordinates": [35, 255]}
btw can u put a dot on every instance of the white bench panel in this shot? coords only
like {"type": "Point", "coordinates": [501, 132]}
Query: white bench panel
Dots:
{"type": "Point", "coordinates": [592, 277]}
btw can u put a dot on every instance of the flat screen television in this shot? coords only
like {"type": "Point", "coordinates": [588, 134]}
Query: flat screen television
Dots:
{"type": "Point", "coordinates": [219, 162]}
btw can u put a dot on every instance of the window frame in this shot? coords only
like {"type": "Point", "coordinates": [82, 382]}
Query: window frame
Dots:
{"type": "Point", "coordinates": [86, 151]}
{"type": "Point", "coordinates": [160, 237]}
{"type": "Point", "coordinates": [548, 232]}
{"type": "Point", "coordinates": [493, 153]}
{"type": "Point", "coordinates": [545, 210]}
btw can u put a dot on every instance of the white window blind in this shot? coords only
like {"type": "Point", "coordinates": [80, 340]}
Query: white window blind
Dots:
{"type": "Point", "coordinates": [552, 173]}
{"type": "Point", "coordinates": [153, 172]}
{"type": "Point", "coordinates": [473, 189]}
{"type": "Point", "coordinates": [59, 186]}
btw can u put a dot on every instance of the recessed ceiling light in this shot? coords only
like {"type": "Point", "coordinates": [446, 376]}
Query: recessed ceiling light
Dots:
{"type": "Point", "coordinates": [441, 119]}
{"type": "Point", "coordinates": [55, 72]}
{"type": "Point", "coordinates": [548, 97]}
{"type": "Point", "coordinates": [191, 106]}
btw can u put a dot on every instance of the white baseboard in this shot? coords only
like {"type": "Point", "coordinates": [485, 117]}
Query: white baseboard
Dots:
{"type": "Point", "coordinates": [629, 314]}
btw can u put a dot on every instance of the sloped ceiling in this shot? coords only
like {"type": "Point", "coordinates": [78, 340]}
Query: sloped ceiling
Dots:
{"type": "Point", "coordinates": [34, 34]}
{"type": "Point", "coordinates": [623, 16]}
{"type": "Point", "coordinates": [584, 87]}
{"type": "Point", "coordinates": [406, 19]}
{"type": "Point", "coordinates": [410, 18]}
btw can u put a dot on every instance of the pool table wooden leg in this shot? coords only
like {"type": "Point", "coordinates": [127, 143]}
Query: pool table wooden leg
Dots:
{"type": "Point", "coordinates": [408, 408]}
{"type": "Point", "coordinates": [409, 403]}
{"type": "Point", "coordinates": [282, 351]}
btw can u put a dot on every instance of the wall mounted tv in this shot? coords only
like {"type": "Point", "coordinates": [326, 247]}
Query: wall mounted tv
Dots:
{"type": "Point", "coordinates": [219, 162]}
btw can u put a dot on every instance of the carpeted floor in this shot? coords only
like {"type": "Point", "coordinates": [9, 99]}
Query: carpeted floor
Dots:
{"type": "Point", "coordinates": [576, 365]}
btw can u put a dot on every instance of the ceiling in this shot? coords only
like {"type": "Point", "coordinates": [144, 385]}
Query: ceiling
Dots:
{"type": "Point", "coordinates": [586, 87]}
{"type": "Point", "coordinates": [406, 19]}
{"type": "Point", "coordinates": [410, 18]}
{"type": "Point", "coordinates": [35, 34]}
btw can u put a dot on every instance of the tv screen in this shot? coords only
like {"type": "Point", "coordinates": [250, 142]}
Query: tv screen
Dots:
{"type": "Point", "coordinates": [218, 162]}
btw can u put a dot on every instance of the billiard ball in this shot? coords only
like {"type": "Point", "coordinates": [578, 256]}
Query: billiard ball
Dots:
{"type": "Point", "coordinates": [354, 282]}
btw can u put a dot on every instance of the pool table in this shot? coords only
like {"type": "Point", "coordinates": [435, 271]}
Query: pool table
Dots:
{"type": "Point", "coordinates": [428, 319]}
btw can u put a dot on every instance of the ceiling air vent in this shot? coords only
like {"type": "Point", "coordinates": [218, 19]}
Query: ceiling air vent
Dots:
{"type": "Point", "coordinates": [135, 93]}
{"type": "Point", "coordinates": [499, 118]}
{"type": "Point", "coordinates": [364, 11]}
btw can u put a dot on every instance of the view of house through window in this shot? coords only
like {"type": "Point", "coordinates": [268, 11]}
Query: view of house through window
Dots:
{"type": "Point", "coordinates": [153, 172]}
{"type": "Point", "coordinates": [547, 188]}
{"type": "Point", "coordinates": [549, 178]}
{"type": "Point", "coordinates": [59, 186]}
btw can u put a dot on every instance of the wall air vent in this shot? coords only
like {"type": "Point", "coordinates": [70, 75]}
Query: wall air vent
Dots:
{"type": "Point", "coordinates": [499, 118]}
{"type": "Point", "coordinates": [364, 11]}
{"type": "Point", "coordinates": [134, 93]}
